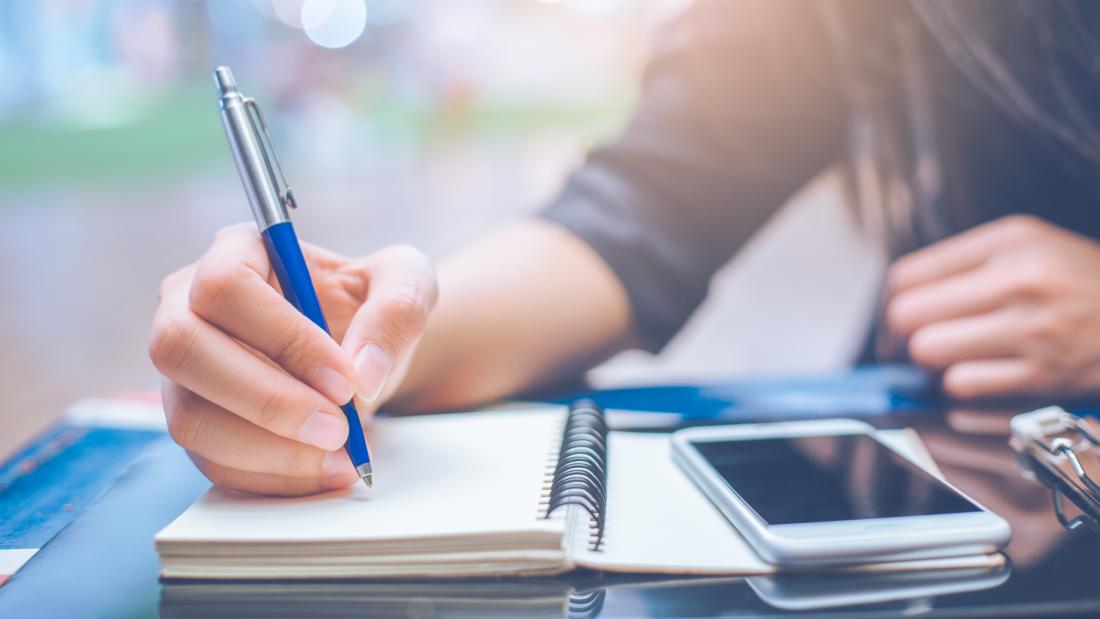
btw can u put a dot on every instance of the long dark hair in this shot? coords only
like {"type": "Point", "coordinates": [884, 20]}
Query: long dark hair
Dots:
{"type": "Point", "coordinates": [1039, 59]}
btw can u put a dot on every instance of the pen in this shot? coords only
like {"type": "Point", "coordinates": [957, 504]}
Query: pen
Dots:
{"type": "Point", "coordinates": [270, 196]}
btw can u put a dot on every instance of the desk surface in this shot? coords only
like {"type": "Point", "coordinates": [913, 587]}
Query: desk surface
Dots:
{"type": "Point", "coordinates": [104, 564]}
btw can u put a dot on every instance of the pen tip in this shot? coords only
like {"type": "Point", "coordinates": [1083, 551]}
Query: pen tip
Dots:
{"type": "Point", "coordinates": [366, 474]}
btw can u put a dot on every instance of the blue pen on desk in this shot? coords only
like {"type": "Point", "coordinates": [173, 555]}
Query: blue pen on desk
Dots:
{"type": "Point", "coordinates": [270, 197]}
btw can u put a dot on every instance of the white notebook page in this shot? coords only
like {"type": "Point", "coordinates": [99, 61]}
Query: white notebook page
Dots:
{"type": "Point", "coordinates": [443, 475]}
{"type": "Point", "coordinates": [657, 521]}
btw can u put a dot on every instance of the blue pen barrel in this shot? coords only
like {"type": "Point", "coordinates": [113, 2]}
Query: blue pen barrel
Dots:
{"type": "Point", "coordinates": [290, 268]}
{"type": "Point", "coordinates": [356, 445]}
{"type": "Point", "coordinates": [293, 275]}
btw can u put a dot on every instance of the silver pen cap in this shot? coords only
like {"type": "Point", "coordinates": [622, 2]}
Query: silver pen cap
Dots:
{"type": "Point", "coordinates": [268, 193]}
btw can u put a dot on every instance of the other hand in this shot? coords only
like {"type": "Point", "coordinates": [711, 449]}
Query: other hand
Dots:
{"type": "Point", "coordinates": [252, 387]}
{"type": "Point", "coordinates": [1008, 308]}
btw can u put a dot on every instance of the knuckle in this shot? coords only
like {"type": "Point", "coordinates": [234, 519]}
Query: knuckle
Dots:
{"type": "Point", "coordinates": [403, 316]}
{"type": "Point", "coordinates": [172, 342]}
{"type": "Point", "coordinates": [232, 230]}
{"type": "Point", "coordinates": [212, 283]}
{"type": "Point", "coordinates": [171, 282]}
{"type": "Point", "coordinates": [293, 347]}
{"type": "Point", "coordinates": [1000, 282]}
{"type": "Point", "coordinates": [270, 410]}
{"type": "Point", "coordinates": [1022, 226]}
{"type": "Point", "coordinates": [1045, 328]}
{"type": "Point", "coordinates": [186, 425]}
{"type": "Point", "coordinates": [1035, 278]}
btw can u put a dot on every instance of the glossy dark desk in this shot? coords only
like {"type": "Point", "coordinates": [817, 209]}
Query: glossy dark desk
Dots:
{"type": "Point", "coordinates": [104, 565]}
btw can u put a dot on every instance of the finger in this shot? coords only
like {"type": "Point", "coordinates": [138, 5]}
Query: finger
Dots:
{"type": "Point", "coordinates": [216, 367]}
{"type": "Point", "coordinates": [986, 336]}
{"type": "Point", "coordinates": [974, 292]}
{"type": "Point", "coordinates": [387, 327]}
{"type": "Point", "coordinates": [958, 253]}
{"type": "Point", "coordinates": [268, 483]}
{"type": "Point", "coordinates": [990, 378]}
{"type": "Point", "coordinates": [980, 421]}
{"type": "Point", "coordinates": [231, 291]}
{"type": "Point", "coordinates": [204, 428]}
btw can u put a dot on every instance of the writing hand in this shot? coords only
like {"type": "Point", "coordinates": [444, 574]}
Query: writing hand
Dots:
{"type": "Point", "coordinates": [252, 388]}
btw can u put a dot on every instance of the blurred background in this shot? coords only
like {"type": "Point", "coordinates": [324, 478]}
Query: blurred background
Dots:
{"type": "Point", "coordinates": [398, 121]}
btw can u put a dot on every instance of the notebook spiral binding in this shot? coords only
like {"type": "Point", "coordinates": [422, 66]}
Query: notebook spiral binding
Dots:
{"type": "Point", "coordinates": [577, 472]}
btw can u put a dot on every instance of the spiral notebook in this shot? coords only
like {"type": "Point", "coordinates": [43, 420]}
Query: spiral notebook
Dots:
{"type": "Point", "coordinates": [496, 493]}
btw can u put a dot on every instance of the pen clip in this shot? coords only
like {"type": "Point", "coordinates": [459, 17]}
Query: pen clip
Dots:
{"type": "Point", "coordinates": [282, 187]}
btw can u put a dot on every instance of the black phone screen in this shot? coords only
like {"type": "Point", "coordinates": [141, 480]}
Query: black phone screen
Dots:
{"type": "Point", "coordinates": [789, 480]}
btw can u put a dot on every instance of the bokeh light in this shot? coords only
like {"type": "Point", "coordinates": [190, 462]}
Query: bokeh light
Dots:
{"type": "Point", "coordinates": [334, 23]}
{"type": "Point", "coordinates": [288, 12]}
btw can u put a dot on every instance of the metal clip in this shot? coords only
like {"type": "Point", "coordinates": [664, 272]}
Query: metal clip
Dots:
{"type": "Point", "coordinates": [1065, 447]}
{"type": "Point", "coordinates": [268, 150]}
{"type": "Point", "coordinates": [1056, 434]}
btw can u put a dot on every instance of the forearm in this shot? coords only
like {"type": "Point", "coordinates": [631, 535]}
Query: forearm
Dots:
{"type": "Point", "coordinates": [522, 306]}
{"type": "Point", "coordinates": [531, 303]}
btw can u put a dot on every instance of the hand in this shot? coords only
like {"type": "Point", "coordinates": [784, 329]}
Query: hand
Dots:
{"type": "Point", "coordinates": [252, 388]}
{"type": "Point", "coordinates": [1009, 308]}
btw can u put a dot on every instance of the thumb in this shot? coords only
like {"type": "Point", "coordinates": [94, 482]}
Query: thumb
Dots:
{"type": "Point", "coordinates": [386, 328]}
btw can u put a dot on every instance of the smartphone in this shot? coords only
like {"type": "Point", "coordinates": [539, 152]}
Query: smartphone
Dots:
{"type": "Point", "coordinates": [824, 492]}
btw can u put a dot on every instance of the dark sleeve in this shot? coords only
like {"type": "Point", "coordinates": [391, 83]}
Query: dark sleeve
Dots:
{"type": "Point", "coordinates": [739, 109]}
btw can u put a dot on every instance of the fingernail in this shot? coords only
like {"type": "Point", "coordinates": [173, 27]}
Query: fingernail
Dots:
{"type": "Point", "coordinates": [332, 384]}
{"type": "Point", "coordinates": [372, 367]}
{"type": "Point", "coordinates": [324, 430]}
{"type": "Point", "coordinates": [337, 463]}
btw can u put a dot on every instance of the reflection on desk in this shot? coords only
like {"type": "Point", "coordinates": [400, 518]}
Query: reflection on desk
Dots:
{"type": "Point", "coordinates": [576, 598]}
{"type": "Point", "coordinates": [971, 448]}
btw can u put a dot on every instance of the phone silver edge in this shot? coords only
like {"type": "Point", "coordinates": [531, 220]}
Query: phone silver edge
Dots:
{"type": "Point", "coordinates": [853, 541]}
